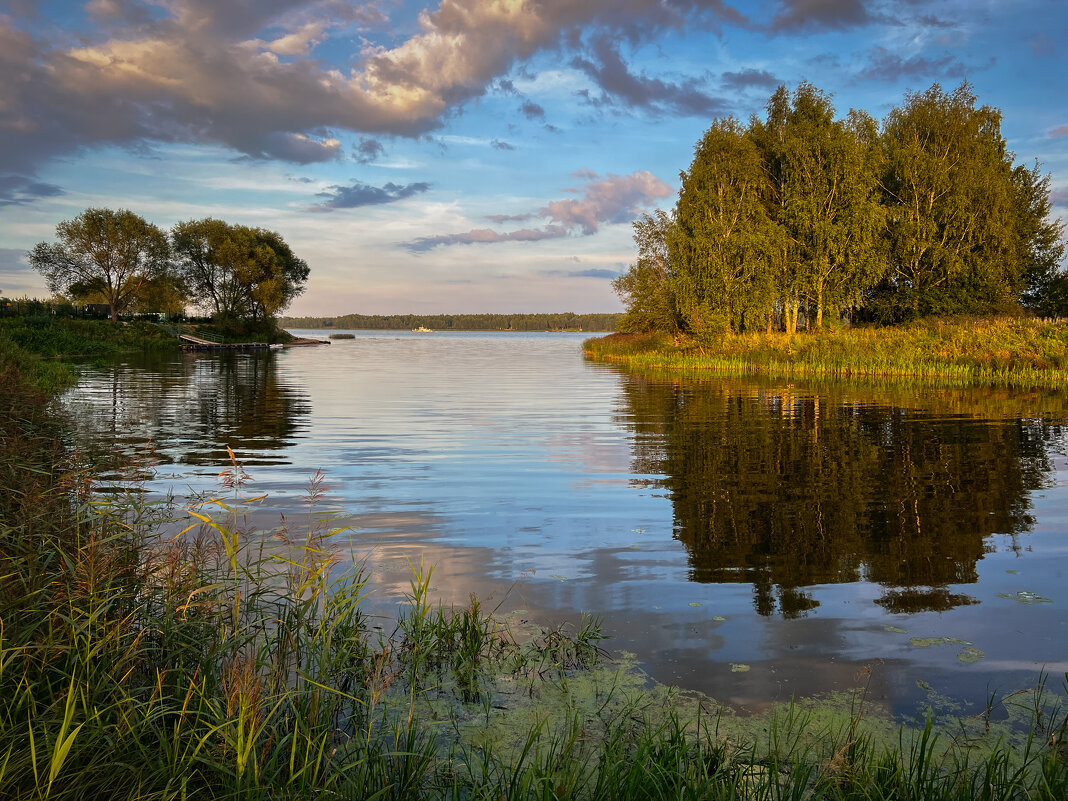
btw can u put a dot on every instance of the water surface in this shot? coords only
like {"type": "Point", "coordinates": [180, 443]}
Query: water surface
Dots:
{"type": "Point", "coordinates": [755, 540]}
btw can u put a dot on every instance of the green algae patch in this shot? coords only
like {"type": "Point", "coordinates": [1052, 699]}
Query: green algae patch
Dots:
{"type": "Point", "coordinates": [970, 655]}
{"type": "Point", "coordinates": [927, 642]}
{"type": "Point", "coordinates": [1024, 597]}
{"type": "Point", "coordinates": [894, 629]}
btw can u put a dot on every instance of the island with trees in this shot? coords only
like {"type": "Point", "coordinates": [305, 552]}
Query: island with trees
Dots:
{"type": "Point", "coordinates": [804, 242]}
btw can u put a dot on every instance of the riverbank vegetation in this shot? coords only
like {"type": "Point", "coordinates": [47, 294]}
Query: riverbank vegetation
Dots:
{"type": "Point", "coordinates": [801, 221]}
{"type": "Point", "coordinates": [1001, 350]}
{"type": "Point", "coordinates": [461, 322]}
{"type": "Point", "coordinates": [150, 650]}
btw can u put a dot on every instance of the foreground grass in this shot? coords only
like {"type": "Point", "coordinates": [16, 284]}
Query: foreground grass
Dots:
{"type": "Point", "coordinates": [155, 652]}
{"type": "Point", "coordinates": [1017, 351]}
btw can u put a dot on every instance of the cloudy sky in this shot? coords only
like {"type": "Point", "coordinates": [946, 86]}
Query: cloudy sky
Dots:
{"type": "Point", "coordinates": [465, 156]}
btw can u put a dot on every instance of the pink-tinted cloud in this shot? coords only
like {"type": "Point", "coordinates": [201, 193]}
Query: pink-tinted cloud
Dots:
{"type": "Point", "coordinates": [242, 73]}
{"type": "Point", "coordinates": [613, 199]}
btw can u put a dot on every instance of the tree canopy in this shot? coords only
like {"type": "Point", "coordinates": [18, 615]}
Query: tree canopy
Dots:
{"type": "Point", "coordinates": [236, 272]}
{"type": "Point", "coordinates": [802, 214]}
{"type": "Point", "coordinates": [102, 253]}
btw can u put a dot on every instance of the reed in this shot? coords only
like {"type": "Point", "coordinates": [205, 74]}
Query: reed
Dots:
{"type": "Point", "coordinates": [1007, 351]}
{"type": "Point", "coordinates": [155, 651]}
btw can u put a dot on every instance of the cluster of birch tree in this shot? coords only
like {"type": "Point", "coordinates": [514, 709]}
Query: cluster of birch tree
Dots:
{"type": "Point", "coordinates": [802, 217]}
{"type": "Point", "coordinates": [117, 258]}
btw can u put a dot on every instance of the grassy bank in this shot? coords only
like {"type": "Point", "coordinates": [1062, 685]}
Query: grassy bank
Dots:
{"type": "Point", "coordinates": [35, 344]}
{"type": "Point", "coordinates": [153, 651]}
{"type": "Point", "coordinates": [1017, 351]}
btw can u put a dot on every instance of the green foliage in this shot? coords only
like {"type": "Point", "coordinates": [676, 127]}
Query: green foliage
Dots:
{"type": "Point", "coordinates": [722, 240]}
{"type": "Point", "coordinates": [103, 254]}
{"type": "Point", "coordinates": [800, 218]}
{"type": "Point", "coordinates": [645, 288]}
{"type": "Point", "coordinates": [240, 273]}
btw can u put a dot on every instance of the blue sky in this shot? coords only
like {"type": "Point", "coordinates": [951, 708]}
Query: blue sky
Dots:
{"type": "Point", "coordinates": [467, 156]}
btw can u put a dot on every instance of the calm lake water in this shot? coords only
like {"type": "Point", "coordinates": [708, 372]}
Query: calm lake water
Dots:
{"type": "Point", "coordinates": [755, 540]}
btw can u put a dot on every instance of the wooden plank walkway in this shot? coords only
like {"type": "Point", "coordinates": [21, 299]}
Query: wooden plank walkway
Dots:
{"type": "Point", "coordinates": [190, 342]}
{"type": "Point", "coordinates": [194, 343]}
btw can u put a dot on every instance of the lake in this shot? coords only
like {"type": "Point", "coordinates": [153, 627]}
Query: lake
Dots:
{"type": "Point", "coordinates": [754, 540]}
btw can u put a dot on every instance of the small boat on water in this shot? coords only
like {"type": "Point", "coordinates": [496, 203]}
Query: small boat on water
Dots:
{"type": "Point", "coordinates": [422, 330]}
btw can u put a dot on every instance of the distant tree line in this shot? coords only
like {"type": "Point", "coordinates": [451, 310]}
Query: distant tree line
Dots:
{"type": "Point", "coordinates": [462, 322]}
{"type": "Point", "coordinates": [235, 273]}
{"type": "Point", "coordinates": [802, 217]}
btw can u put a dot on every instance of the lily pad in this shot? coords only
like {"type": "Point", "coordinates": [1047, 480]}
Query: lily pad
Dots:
{"type": "Point", "coordinates": [738, 667]}
{"type": "Point", "coordinates": [719, 617]}
{"type": "Point", "coordinates": [894, 629]}
{"type": "Point", "coordinates": [923, 685]}
{"type": "Point", "coordinates": [970, 655]}
{"type": "Point", "coordinates": [694, 603]}
{"type": "Point", "coordinates": [927, 642]}
{"type": "Point", "coordinates": [1024, 597]}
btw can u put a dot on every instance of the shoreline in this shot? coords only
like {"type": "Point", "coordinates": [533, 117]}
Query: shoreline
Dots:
{"type": "Point", "coordinates": [995, 351]}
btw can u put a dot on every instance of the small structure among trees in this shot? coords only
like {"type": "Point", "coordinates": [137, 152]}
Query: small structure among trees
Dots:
{"type": "Point", "coordinates": [801, 216]}
{"type": "Point", "coordinates": [242, 276]}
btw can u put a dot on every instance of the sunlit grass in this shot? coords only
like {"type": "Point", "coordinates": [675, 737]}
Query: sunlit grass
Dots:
{"type": "Point", "coordinates": [1016, 351]}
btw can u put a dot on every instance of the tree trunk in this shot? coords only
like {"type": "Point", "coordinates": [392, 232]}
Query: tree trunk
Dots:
{"type": "Point", "coordinates": [819, 304]}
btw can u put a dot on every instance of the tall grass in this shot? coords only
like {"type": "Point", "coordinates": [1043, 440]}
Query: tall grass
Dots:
{"type": "Point", "coordinates": [149, 651]}
{"type": "Point", "coordinates": [1014, 351]}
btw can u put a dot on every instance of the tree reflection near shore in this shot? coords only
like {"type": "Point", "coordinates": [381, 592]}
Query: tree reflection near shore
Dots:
{"type": "Point", "coordinates": [786, 488]}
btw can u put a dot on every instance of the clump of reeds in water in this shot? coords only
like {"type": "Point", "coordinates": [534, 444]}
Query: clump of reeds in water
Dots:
{"type": "Point", "coordinates": [1017, 351]}
{"type": "Point", "coordinates": [342, 336]}
{"type": "Point", "coordinates": [226, 663]}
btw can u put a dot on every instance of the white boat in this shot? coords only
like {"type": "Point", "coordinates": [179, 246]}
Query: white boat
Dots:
{"type": "Point", "coordinates": [422, 330]}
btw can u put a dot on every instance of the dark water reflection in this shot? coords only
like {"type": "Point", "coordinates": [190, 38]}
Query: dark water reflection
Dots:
{"type": "Point", "coordinates": [194, 405]}
{"type": "Point", "coordinates": [784, 489]}
{"type": "Point", "coordinates": [754, 540]}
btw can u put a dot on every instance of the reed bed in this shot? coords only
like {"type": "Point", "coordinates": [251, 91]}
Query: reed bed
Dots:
{"type": "Point", "coordinates": [156, 651]}
{"type": "Point", "coordinates": [1006, 351]}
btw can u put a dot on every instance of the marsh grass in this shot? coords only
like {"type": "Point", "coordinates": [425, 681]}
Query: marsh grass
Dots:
{"type": "Point", "coordinates": [149, 651]}
{"type": "Point", "coordinates": [959, 351]}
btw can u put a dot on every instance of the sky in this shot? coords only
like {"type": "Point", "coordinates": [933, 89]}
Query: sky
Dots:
{"type": "Point", "coordinates": [464, 156]}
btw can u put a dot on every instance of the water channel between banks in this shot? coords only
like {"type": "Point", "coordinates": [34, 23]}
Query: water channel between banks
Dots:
{"type": "Point", "coordinates": [755, 540]}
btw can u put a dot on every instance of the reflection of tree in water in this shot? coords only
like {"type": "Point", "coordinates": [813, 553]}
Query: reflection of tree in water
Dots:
{"type": "Point", "coordinates": [191, 408]}
{"type": "Point", "coordinates": [242, 402]}
{"type": "Point", "coordinates": [788, 490]}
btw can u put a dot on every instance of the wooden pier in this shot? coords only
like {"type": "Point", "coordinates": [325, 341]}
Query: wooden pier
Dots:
{"type": "Point", "coordinates": [194, 343]}
{"type": "Point", "coordinates": [190, 342]}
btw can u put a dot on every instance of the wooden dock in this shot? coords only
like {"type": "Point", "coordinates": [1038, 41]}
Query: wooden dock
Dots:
{"type": "Point", "coordinates": [194, 343]}
{"type": "Point", "coordinates": [190, 342]}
